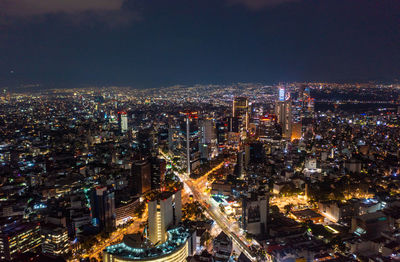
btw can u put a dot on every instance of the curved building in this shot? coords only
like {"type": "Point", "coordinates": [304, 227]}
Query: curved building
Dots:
{"type": "Point", "coordinates": [133, 248]}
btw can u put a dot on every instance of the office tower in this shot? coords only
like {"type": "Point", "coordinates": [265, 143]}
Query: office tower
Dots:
{"type": "Point", "coordinates": [222, 132]}
{"type": "Point", "coordinates": [173, 137]}
{"type": "Point", "coordinates": [246, 155]}
{"type": "Point", "coordinates": [147, 142]}
{"type": "Point", "coordinates": [308, 100]}
{"type": "Point", "coordinates": [239, 167]}
{"type": "Point", "coordinates": [103, 208]}
{"type": "Point", "coordinates": [254, 214]}
{"type": "Point", "coordinates": [158, 170]}
{"type": "Point", "coordinates": [208, 134]}
{"type": "Point", "coordinates": [283, 111]}
{"type": "Point", "coordinates": [141, 172]}
{"type": "Point", "coordinates": [17, 237]}
{"type": "Point", "coordinates": [282, 94]}
{"type": "Point", "coordinates": [123, 121]}
{"type": "Point", "coordinates": [54, 240]}
{"type": "Point", "coordinates": [164, 211]}
{"type": "Point", "coordinates": [257, 152]}
{"type": "Point", "coordinates": [233, 124]}
{"type": "Point", "coordinates": [241, 111]}
{"type": "Point", "coordinates": [190, 137]}
{"type": "Point", "coordinates": [296, 131]}
{"type": "Point", "coordinates": [208, 139]}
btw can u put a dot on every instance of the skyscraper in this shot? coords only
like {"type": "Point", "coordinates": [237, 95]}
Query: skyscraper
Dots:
{"type": "Point", "coordinates": [103, 208]}
{"type": "Point", "coordinates": [123, 121]}
{"type": "Point", "coordinates": [141, 170]}
{"type": "Point", "coordinates": [283, 111]}
{"type": "Point", "coordinates": [190, 137]}
{"type": "Point", "coordinates": [208, 139]}
{"type": "Point", "coordinates": [164, 211]}
{"type": "Point", "coordinates": [239, 167]}
{"type": "Point", "coordinates": [233, 124]}
{"type": "Point", "coordinates": [158, 170]}
{"type": "Point", "coordinates": [241, 111]}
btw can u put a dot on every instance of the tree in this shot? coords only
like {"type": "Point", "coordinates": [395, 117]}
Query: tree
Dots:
{"type": "Point", "coordinates": [139, 209]}
{"type": "Point", "coordinates": [205, 238]}
{"type": "Point", "coordinates": [89, 243]}
{"type": "Point", "coordinates": [274, 209]}
{"type": "Point", "coordinates": [222, 208]}
{"type": "Point", "coordinates": [288, 208]}
{"type": "Point", "coordinates": [104, 235]}
{"type": "Point", "coordinates": [193, 211]}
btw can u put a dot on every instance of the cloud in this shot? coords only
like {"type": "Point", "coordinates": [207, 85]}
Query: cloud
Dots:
{"type": "Point", "coordinates": [41, 7]}
{"type": "Point", "coordinates": [111, 12]}
{"type": "Point", "coordinates": [259, 4]}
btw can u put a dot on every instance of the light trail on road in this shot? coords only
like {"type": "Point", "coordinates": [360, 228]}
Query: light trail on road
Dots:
{"type": "Point", "coordinates": [220, 220]}
{"type": "Point", "coordinates": [117, 236]}
{"type": "Point", "coordinates": [212, 212]}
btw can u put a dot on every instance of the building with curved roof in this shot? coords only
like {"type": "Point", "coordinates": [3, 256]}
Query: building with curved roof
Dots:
{"type": "Point", "coordinates": [134, 248]}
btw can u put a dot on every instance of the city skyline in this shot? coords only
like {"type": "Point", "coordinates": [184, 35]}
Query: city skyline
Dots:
{"type": "Point", "coordinates": [200, 130]}
{"type": "Point", "coordinates": [153, 43]}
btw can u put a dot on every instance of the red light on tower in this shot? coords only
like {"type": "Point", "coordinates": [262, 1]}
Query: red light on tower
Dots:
{"type": "Point", "coordinates": [190, 114]}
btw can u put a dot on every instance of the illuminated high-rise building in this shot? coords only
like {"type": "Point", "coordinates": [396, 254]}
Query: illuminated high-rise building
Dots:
{"type": "Point", "coordinates": [54, 240]}
{"type": "Point", "coordinates": [222, 131]}
{"type": "Point", "coordinates": [296, 131]}
{"type": "Point", "coordinates": [208, 139]}
{"type": "Point", "coordinates": [173, 137]}
{"type": "Point", "coordinates": [17, 238]}
{"type": "Point", "coordinates": [164, 211]}
{"type": "Point", "coordinates": [158, 170]}
{"type": "Point", "coordinates": [190, 138]}
{"type": "Point", "coordinates": [124, 122]}
{"type": "Point", "coordinates": [283, 111]}
{"type": "Point", "coordinates": [240, 109]}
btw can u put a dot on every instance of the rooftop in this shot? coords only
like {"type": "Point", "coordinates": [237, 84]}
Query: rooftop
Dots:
{"type": "Point", "coordinates": [176, 238]}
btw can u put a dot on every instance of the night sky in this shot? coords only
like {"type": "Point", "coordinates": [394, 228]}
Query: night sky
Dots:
{"type": "Point", "coordinates": [151, 43]}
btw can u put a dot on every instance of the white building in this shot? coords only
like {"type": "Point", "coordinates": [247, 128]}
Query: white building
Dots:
{"type": "Point", "coordinates": [124, 122]}
{"type": "Point", "coordinates": [165, 211]}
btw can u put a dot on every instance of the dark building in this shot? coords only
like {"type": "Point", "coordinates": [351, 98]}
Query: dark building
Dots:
{"type": "Point", "coordinates": [233, 124]}
{"type": "Point", "coordinates": [158, 169]}
{"type": "Point", "coordinates": [257, 152]}
{"type": "Point", "coordinates": [141, 171]}
{"type": "Point", "coordinates": [147, 142]}
{"type": "Point", "coordinates": [103, 208]}
{"type": "Point", "coordinates": [240, 163]}
{"type": "Point", "coordinates": [370, 225]}
{"type": "Point", "coordinates": [255, 214]}
{"type": "Point", "coordinates": [190, 139]}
